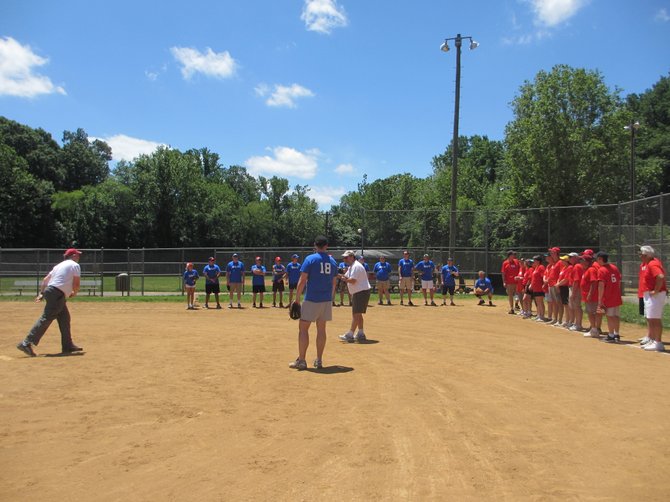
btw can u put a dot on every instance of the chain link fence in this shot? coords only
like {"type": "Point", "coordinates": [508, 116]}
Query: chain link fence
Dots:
{"type": "Point", "coordinates": [484, 236]}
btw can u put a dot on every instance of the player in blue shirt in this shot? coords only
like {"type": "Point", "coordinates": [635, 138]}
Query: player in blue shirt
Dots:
{"type": "Point", "coordinates": [382, 270]}
{"type": "Point", "coordinates": [212, 273]}
{"type": "Point", "coordinates": [293, 273]}
{"type": "Point", "coordinates": [426, 267]}
{"type": "Point", "coordinates": [190, 277]}
{"type": "Point", "coordinates": [317, 278]}
{"type": "Point", "coordinates": [278, 273]}
{"type": "Point", "coordinates": [449, 274]}
{"type": "Point", "coordinates": [406, 277]}
{"type": "Point", "coordinates": [483, 287]}
{"type": "Point", "coordinates": [365, 265]}
{"type": "Point", "coordinates": [258, 280]}
{"type": "Point", "coordinates": [235, 279]}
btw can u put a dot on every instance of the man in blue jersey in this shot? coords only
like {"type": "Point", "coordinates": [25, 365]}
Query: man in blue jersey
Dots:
{"type": "Point", "coordinates": [449, 274]}
{"type": "Point", "coordinates": [483, 287]}
{"type": "Point", "coordinates": [258, 281]}
{"type": "Point", "coordinates": [278, 273]}
{"type": "Point", "coordinates": [317, 278]}
{"type": "Point", "coordinates": [382, 270]}
{"type": "Point", "coordinates": [293, 273]}
{"type": "Point", "coordinates": [235, 279]}
{"type": "Point", "coordinates": [406, 277]}
{"type": "Point", "coordinates": [426, 267]}
{"type": "Point", "coordinates": [212, 273]}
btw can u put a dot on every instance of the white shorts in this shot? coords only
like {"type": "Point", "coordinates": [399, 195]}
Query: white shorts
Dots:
{"type": "Point", "coordinates": [653, 305]}
{"type": "Point", "coordinates": [427, 284]}
{"type": "Point", "coordinates": [316, 311]}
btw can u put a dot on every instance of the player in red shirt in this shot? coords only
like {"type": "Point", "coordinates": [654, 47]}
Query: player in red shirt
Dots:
{"type": "Point", "coordinates": [576, 291]}
{"type": "Point", "coordinates": [537, 287]}
{"type": "Point", "coordinates": [554, 292]}
{"type": "Point", "coordinates": [653, 289]}
{"type": "Point", "coordinates": [510, 269]}
{"type": "Point", "coordinates": [609, 295]}
{"type": "Point", "coordinates": [590, 292]}
{"type": "Point", "coordinates": [563, 284]}
{"type": "Point", "coordinates": [523, 279]}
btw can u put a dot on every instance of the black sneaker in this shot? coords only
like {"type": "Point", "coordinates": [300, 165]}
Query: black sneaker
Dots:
{"type": "Point", "coordinates": [26, 349]}
{"type": "Point", "coordinates": [481, 302]}
{"type": "Point", "coordinates": [491, 304]}
{"type": "Point", "coordinates": [388, 302]}
{"type": "Point", "coordinates": [380, 302]}
{"type": "Point", "coordinates": [433, 304]}
{"type": "Point", "coordinates": [410, 303]}
{"type": "Point", "coordinates": [72, 348]}
{"type": "Point", "coordinates": [218, 307]}
{"type": "Point", "coordinates": [611, 338]}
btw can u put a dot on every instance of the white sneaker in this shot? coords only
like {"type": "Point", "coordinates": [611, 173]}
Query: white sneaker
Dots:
{"type": "Point", "coordinates": [655, 346]}
{"type": "Point", "coordinates": [574, 327]}
{"type": "Point", "coordinates": [360, 337]}
{"type": "Point", "coordinates": [347, 337]}
{"type": "Point", "coordinates": [645, 340]}
{"type": "Point", "coordinates": [592, 334]}
{"type": "Point", "coordinates": [648, 342]}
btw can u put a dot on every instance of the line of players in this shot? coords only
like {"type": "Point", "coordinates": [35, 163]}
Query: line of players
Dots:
{"type": "Point", "coordinates": [235, 273]}
{"type": "Point", "coordinates": [568, 281]}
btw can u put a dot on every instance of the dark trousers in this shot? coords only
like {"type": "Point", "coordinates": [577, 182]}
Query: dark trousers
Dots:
{"type": "Point", "coordinates": [56, 308]}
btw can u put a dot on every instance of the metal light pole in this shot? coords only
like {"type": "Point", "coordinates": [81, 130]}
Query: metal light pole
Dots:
{"type": "Point", "coordinates": [458, 42]}
{"type": "Point", "coordinates": [632, 127]}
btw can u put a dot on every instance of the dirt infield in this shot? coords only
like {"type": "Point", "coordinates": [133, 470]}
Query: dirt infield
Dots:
{"type": "Point", "coordinates": [445, 403]}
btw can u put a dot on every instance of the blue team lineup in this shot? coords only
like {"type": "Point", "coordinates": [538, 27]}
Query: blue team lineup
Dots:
{"type": "Point", "coordinates": [408, 277]}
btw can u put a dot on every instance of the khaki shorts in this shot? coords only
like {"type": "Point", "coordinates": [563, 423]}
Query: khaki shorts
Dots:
{"type": "Point", "coordinates": [576, 298]}
{"type": "Point", "coordinates": [235, 287]}
{"type": "Point", "coordinates": [591, 307]}
{"type": "Point", "coordinates": [316, 311]}
{"type": "Point", "coordinates": [383, 285]}
{"type": "Point", "coordinates": [406, 283]}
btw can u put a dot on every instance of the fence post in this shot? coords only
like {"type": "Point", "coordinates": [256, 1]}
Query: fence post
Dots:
{"type": "Point", "coordinates": [102, 271]}
{"type": "Point", "coordinates": [660, 209]}
{"type": "Point", "coordinates": [142, 271]}
{"type": "Point", "coordinates": [548, 227]}
{"type": "Point", "coordinates": [129, 276]}
{"type": "Point", "coordinates": [620, 241]}
{"type": "Point", "coordinates": [486, 241]}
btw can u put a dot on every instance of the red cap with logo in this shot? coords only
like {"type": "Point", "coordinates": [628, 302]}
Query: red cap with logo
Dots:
{"type": "Point", "coordinates": [71, 251]}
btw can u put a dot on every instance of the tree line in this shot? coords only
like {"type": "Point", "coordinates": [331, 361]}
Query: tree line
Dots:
{"type": "Point", "coordinates": [566, 145]}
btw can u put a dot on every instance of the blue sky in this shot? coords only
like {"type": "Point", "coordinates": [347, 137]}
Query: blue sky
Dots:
{"type": "Point", "coordinates": [318, 91]}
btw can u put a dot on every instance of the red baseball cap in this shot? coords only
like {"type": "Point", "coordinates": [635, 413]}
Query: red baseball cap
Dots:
{"type": "Point", "coordinates": [70, 252]}
{"type": "Point", "coordinates": [588, 252]}
{"type": "Point", "coordinates": [555, 250]}
{"type": "Point", "coordinates": [277, 258]}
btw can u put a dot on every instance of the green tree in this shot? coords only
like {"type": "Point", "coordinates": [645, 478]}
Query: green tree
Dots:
{"type": "Point", "coordinates": [83, 162]}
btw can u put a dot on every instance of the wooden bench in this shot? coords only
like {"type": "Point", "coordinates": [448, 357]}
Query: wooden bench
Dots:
{"type": "Point", "coordinates": [89, 285]}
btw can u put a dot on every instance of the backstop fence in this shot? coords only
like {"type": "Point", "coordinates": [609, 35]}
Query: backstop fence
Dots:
{"type": "Point", "coordinates": [483, 237]}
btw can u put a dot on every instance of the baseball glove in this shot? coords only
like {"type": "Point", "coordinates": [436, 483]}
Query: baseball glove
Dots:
{"type": "Point", "coordinates": [294, 311]}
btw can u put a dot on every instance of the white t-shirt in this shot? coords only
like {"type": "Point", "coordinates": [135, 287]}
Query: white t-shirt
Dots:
{"type": "Point", "coordinates": [63, 274]}
{"type": "Point", "coordinates": [357, 271]}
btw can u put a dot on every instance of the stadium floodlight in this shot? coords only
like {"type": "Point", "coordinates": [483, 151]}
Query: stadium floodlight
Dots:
{"type": "Point", "coordinates": [458, 42]}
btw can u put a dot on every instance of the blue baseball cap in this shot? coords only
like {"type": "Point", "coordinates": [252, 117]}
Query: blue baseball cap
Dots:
{"type": "Point", "coordinates": [294, 256]}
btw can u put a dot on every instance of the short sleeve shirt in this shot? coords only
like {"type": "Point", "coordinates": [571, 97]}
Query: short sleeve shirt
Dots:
{"type": "Point", "coordinates": [293, 270]}
{"type": "Point", "coordinates": [609, 274]}
{"type": "Point", "coordinates": [426, 268]}
{"type": "Point", "coordinates": [63, 274]}
{"type": "Point", "coordinates": [510, 269]}
{"type": "Point", "coordinates": [321, 269]}
{"type": "Point", "coordinates": [382, 270]}
{"type": "Point", "coordinates": [484, 283]}
{"type": "Point", "coordinates": [235, 271]}
{"type": "Point", "coordinates": [278, 271]}
{"type": "Point", "coordinates": [448, 278]}
{"type": "Point", "coordinates": [211, 272]}
{"type": "Point", "coordinates": [258, 279]}
{"type": "Point", "coordinates": [648, 274]}
{"type": "Point", "coordinates": [190, 276]}
{"type": "Point", "coordinates": [406, 267]}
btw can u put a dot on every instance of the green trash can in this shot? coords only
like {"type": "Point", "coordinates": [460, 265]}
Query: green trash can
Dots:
{"type": "Point", "coordinates": [123, 282]}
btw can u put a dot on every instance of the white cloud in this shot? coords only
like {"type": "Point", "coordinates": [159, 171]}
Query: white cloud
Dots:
{"type": "Point", "coordinates": [283, 95]}
{"type": "Point", "coordinates": [662, 15]}
{"type": "Point", "coordinates": [285, 162]}
{"type": "Point", "coordinates": [344, 169]}
{"type": "Point", "coordinates": [128, 148]}
{"type": "Point", "coordinates": [17, 77]}
{"type": "Point", "coordinates": [323, 15]}
{"type": "Point", "coordinates": [210, 63]}
{"type": "Point", "coordinates": [326, 196]}
{"type": "Point", "coordinates": [554, 12]}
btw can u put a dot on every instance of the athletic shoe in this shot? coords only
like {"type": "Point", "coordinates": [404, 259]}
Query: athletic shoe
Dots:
{"type": "Point", "coordinates": [347, 337]}
{"type": "Point", "coordinates": [481, 302]}
{"type": "Point", "coordinates": [452, 304]}
{"type": "Point", "coordinates": [72, 348]}
{"type": "Point", "coordinates": [218, 307]}
{"type": "Point", "coordinates": [645, 340]}
{"type": "Point", "coordinates": [592, 334]}
{"type": "Point", "coordinates": [239, 306]}
{"type": "Point", "coordinates": [433, 304]}
{"type": "Point", "coordinates": [318, 364]}
{"type": "Point", "coordinates": [334, 304]}
{"type": "Point", "coordinates": [425, 304]}
{"type": "Point", "coordinates": [648, 342]}
{"type": "Point", "coordinates": [516, 307]}
{"type": "Point", "coordinates": [611, 338]}
{"type": "Point", "coordinates": [491, 304]}
{"type": "Point", "coordinates": [380, 302]}
{"type": "Point", "coordinates": [261, 306]}
{"type": "Point", "coordinates": [230, 305]}
{"type": "Point", "coordinates": [254, 305]}
{"type": "Point", "coordinates": [401, 302]}
{"type": "Point", "coordinates": [574, 327]}
{"type": "Point", "coordinates": [274, 305]}
{"type": "Point", "coordinates": [655, 346]}
{"type": "Point", "coordinates": [26, 349]}
{"type": "Point", "coordinates": [206, 306]}
{"type": "Point", "coordinates": [511, 312]}
{"type": "Point", "coordinates": [298, 364]}
{"type": "Point", "coordinates": [389, 302]}
{"type": "Point", "coordinates": [444, 304]}
{"type": "Point", "coordinates": [360, 337]}
{"type": "Point", "coordinates": [410, 303]}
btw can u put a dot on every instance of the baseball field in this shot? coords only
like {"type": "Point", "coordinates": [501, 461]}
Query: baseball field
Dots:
{"type": "Point", "coordinates": [442, 403]}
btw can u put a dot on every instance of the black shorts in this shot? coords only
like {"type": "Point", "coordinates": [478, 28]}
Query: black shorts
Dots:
{"type": "Point", "coordinates": [359, 302]}
{"type": "Point", "coordinates": [640, 305]}
{"type": "Point", "coordinates": [448, 289]}
{"type": "Point", "coordinates": [258, 289]}
{"type": "Point", "coordinates": [277, 286]}
{"type": "Point", "coordinates": [292, 285]}
{"type": "Point", "coordinates": [537, 294]}
{"type": "Point", "coordinates": [565, 294]}
{"type": "Point", "coordinates": [212, 287]}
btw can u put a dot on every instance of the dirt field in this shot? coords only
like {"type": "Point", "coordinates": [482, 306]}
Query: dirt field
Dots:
{"type": "Point", "coordinates": [446, 403]}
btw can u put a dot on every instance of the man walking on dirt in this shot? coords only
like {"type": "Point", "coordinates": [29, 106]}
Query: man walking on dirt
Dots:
{"type": "Point", "coordinates": [58, 285]}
